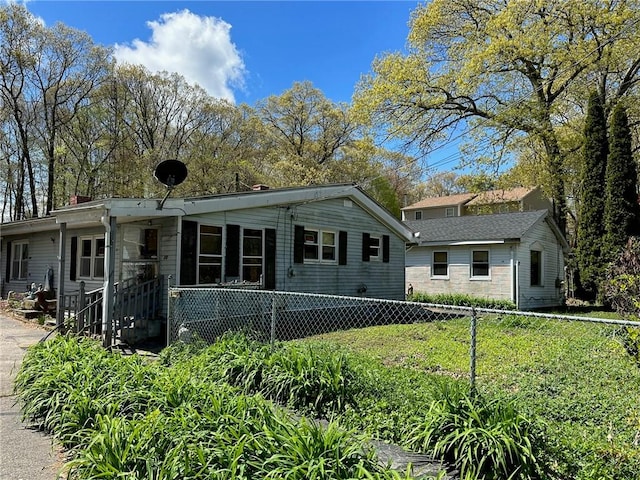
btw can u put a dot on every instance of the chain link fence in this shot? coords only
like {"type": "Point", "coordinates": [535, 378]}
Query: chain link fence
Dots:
{"type": "Point", "coordinates": [478, 339]}
{"type": "Point", "coordinates": [580, 374]}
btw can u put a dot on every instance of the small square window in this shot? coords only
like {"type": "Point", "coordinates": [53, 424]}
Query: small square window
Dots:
{"type": "Point", "coordinates": [480, 263]}
{"type": "Point", "coordinates": [418, 215]}
{"type": "Point", "coordinates": [450, 212]}
{"type": "Point", "coordinates": [440, 265]}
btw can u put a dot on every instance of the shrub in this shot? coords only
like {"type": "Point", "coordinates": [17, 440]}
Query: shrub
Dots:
{"type": "Point", "coordinates": [462, 300]}
{"type": "Point", "coordinates": [482, 438]}
{"type": "Point", "coordinates": [621, 289]}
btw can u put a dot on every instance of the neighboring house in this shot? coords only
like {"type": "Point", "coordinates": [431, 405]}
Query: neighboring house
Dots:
{"type": "Point", "coordinates": [495, 201]}
{"type": "Point", "coordinates": [511, 256]}
{"type": "Point", "coordinates": [330, 239]}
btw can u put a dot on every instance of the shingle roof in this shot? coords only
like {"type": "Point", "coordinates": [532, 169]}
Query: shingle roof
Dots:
{"type": "Point", "coordinates": [480, 228]}
{"type": "Point", "coordinates": [501, 196]}
{"type": "Point", "coordinates": [449, 200]}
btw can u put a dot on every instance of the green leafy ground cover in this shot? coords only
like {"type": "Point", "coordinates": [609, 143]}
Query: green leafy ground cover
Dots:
{"type": "Point", "coordinates": [122, 417]}
{"type": "Point", "coordinates": [575, 379]}
{"type": "Point", "coordinates": [556, 400]}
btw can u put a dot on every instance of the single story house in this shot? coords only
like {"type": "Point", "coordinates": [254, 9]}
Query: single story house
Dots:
{"type": "Point", "coordinates": [331, 239]}
{"type": "Point", "coordinates": [520, 199]}
{"type": "Point", "coordinates": [515, 256]}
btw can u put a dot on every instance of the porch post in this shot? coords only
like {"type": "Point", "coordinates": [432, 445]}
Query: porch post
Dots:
{"type": "Point", "coordinates": [61, 261]}
{"type": "Point", "coordinates": [109, 279]}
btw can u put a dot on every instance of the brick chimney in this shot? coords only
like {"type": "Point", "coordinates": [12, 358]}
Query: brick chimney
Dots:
{"type": "Point", "coordinates": [77, 199]}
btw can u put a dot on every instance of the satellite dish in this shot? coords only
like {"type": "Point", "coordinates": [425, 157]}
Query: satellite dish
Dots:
{"type": "Point", "coordinates": [171, 173]}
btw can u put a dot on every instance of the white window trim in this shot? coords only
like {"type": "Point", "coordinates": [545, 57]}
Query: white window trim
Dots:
{"type": "Point", "coordinates": [537, 248]}
{"type": "Point", "coordinates": [320, 245]}
{"type": "Point", "coordinates": [378, 257]}
{"type": "Point", "coordinates": [199, 253]}
{"type": "Point", "coordinates": [480, 277]}
{"type": "Point", "coordinates": [20, 275]}
{"type": "Point", "coordinates": [433, 258]}
{"type": "Point", "coordinates": [243, 256]}
{"type": "Point", "coordinates": [93, 257]}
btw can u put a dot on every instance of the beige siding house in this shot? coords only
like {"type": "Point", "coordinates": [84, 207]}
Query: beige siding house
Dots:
{"type": "Point", "coordinates": [515, 256]}
{"type": "Point", "coordinates": [494, 201]}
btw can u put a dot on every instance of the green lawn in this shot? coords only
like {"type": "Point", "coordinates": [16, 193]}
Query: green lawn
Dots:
{"type": "Point", "coordinates": [575, 377]}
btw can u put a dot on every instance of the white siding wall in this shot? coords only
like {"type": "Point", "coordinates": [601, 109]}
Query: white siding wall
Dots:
{"type": "Point", "coordinates": [498, 286]}
{"type": "Point", "coordinates": [541, 237]}
{"type": "Point", "coordinates": [548, 294]}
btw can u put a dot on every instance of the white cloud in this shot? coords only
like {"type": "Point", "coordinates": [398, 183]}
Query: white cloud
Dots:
{"type": "Point", "coordinates": [198, 48]}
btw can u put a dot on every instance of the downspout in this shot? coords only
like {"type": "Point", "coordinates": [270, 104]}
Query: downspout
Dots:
{"type": "Point", "coordinates": [512, 270]}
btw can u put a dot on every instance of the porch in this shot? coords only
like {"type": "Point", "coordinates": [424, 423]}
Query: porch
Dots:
{"type": "Point", "coordinates": [136, 313]}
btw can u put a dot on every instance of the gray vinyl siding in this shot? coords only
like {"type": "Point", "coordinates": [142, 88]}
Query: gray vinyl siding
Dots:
{"type": "Point", "coordinates": [43, 253]}
{"type": "Point", "coordinates": [382, 280]}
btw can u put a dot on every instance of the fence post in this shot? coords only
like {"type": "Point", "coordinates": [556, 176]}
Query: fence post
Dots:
{"type": "Point", "coordinates": [82, 302]}
{"type": "Point", "coordinates": [472, 375]}
{"type": "Point", "coordinates": [274, 317]}
{"type": "Point", "coordinates": [168, 327]}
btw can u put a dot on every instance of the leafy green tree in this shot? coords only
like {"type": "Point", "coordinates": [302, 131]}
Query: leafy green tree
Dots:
{"type": "Point", "coordinates": [621, 210]}
{"type": "Point", "coordinates": [591, 200]}
{"type": "Point", "coordinates": [503, 71]}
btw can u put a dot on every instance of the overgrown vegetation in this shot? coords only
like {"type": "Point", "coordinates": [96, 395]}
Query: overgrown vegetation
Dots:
{"type": "Point", "coordinates": [622, 291]}
{"type": "Point", "coordinates": [554, 400]}
{"type": "Point", "coordinates": [462, 300]}
{"type": "Point", "coordinates": [122, 417]}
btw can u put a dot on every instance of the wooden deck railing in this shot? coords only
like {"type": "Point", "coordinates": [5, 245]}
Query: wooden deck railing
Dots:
{"type": "Point", "coordinates": [81, 311]}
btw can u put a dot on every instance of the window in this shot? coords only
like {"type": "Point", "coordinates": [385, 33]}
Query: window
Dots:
{"type": "Point", "coordinates": [91, 257]}
{"type": "Point", "coordinates": [418, 215]}
{"type": "Point", "coordinates": [536, 268]}
{"type": "Point", "coordinates": [319, 245]}
{"type": "Point", "coordinates": [19, 260]}
{"type": "Point", "coordinates": [210, 254]}
{"type": "Point", "coordinates": [374, 247]}
{"type": "Point", "coordinates": [140, 252]}
{"type": "Point", "coordinates": [450, 212]}
{"type": "Point", "coordinates": [252, 255]}
{"type": "Point", "coordinates": [480, 264]}
{"type": "Point", "coordinates": [440, 265]}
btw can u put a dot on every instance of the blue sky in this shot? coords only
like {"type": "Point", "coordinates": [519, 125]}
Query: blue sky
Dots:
{"type": "Point", "coordinates": [244, 50]}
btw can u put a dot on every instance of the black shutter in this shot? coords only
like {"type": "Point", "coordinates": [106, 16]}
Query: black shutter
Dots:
{"type": "Point", "coordinates": [269, 259]}
{"type": "Point", "coordinates": [8, 266]}
{"type": "Point", "coordinates": [73, 261]}
{"type": "Point", "coordinates": [365, 247]}
{"type": "Point", "coordinates": [298, 244]}
{"type": "Point", "coordinates": [188, 253]}
{"type": "Point", "coordinates": [232, 256]}
{"type": "Point", "coordinates": [385, 248]}
{"type": "Point", "coordinates": [342, 248]}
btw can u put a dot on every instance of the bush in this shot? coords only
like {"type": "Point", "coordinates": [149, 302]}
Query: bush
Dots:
{"type": "Point", "coordinates": [483, 439]}
{"type": "Point", "coordinates": [462, 300]}
{"type": "Point", "coordinates": [621, 289]}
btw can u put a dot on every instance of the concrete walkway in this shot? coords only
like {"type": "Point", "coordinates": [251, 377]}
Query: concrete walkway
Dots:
{"type": "Point", "coordinates": [25, 454]}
